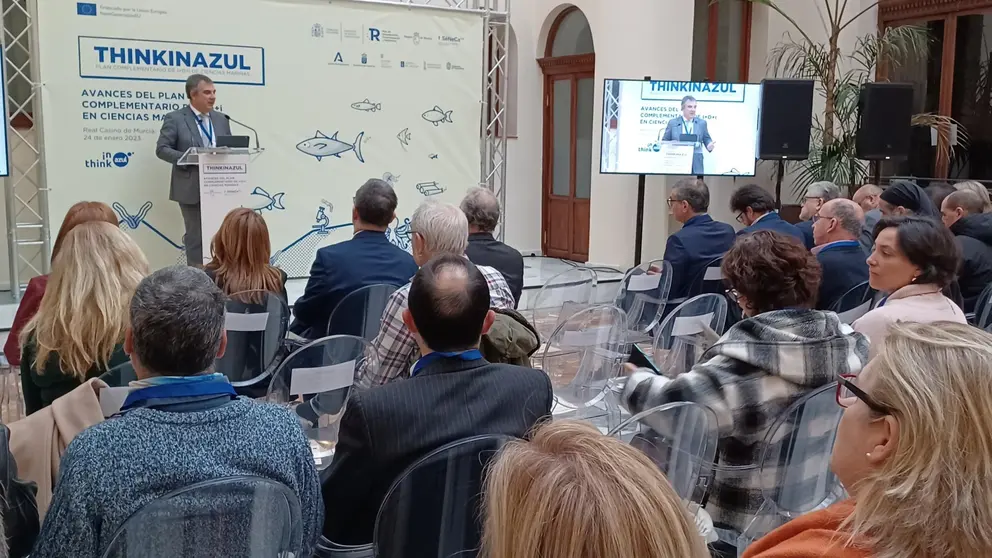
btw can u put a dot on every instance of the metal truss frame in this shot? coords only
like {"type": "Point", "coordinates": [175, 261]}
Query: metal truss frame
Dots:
{"type": "Point", "coordinates": [26, 190]}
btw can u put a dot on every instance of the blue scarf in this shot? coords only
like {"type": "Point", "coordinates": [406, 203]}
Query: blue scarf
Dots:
{"type": "Point", "coordinates": [469, 356]}
{"type": "Point", "coordinates": [179, 390]}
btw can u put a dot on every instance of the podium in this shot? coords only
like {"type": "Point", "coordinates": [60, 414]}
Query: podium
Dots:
{"type": "Point", "coordinates": [676, 157]}
{"type": "Point", "coordinates": [225, 184]}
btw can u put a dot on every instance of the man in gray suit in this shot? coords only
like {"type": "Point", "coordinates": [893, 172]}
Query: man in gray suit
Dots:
{"type": "Point", "coordinates": [196, 125]}
{"type": "Point", "coordinates": [691, 125]}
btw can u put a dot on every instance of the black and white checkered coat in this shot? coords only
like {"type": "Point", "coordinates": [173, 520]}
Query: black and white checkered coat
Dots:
{"type": "Point", "coordinates": [748, 378]}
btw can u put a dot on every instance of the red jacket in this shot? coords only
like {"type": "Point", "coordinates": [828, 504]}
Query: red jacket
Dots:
{"type": "Point", "coordinates": [26, 310]}
{"type": "Point", "coordinates": [813, 535]}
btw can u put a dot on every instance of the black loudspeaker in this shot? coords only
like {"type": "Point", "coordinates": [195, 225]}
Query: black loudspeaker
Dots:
{"type": "Point", "coordinates": [786, 119]}
{"type": "Point", "coordinates": [885, 111]}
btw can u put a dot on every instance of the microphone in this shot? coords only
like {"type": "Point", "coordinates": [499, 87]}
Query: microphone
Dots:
{"type": "Point", "coordinates": [243, 125]}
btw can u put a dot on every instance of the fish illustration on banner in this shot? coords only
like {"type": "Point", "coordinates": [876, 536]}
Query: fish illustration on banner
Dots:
{"type": "Point", "coordinates": [367, 106]}
{"type": "Point", "coordinates": [404, 136]}
{"type": "Point", "coordinates": [271, 203]}
{"type": "Point", "coordinates": [438, 116]}
{"type": "Point", "coordinates": [320, 146]}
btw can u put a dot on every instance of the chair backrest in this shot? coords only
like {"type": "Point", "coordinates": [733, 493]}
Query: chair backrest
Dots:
{"type": "Point", "coordinates": [584, 353]}
{"type": "Point", "coordinates": [316, 382]}
{"type": "Point", "coordinates": [643, 294]}
{"type": "Point", "coordinates": [709, 280]}
{"type": "Point", "coordinates": [360, 312]}
{"type": "Point", "coordinates": [559, 298]}
{"type": "Point", "coordinates": [434, 507]}
{"type": "Point", "coordinates": [680, 438]}
{"type": "Point", "coordinates": [683, 336]}
{"type": "Point", "coordinates": [853, 304]}
{"type": "Point", "coordinates": [797, 452]}
{"type": "Point", "coordinates": [983, 309]}
{"type": "Point", "coordinates": [256, 324]}
{"type": "Point", "coordinates": [232, 516]}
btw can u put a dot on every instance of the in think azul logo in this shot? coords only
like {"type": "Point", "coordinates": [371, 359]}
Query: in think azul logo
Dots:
{"type": "Point", "coordinates": [85, 8]}
{"type": "Point", "coordinates": [108, 160]}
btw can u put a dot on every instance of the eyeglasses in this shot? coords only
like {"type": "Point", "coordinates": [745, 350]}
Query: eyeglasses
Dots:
{"type": "Point", "coordinates": [733, 294]}
{"type": "Point", "coordinates": [817, 217]}
{"type": "Point", "coordinates": [740, 217]}
{"type": "Point", "coordinates": [673, 201]}
{"type": "Point", "coordinates": [848, 393]}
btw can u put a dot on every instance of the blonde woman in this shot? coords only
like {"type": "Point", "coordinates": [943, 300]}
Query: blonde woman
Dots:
{"type": "Point", "coordinates": [978, 188]}
{"type": "Point", "coordinates": [914, 451]}
{"type": "Point", "coordinates": [571, 492]}
{"type": "Point", "coordinates": [79, 328]}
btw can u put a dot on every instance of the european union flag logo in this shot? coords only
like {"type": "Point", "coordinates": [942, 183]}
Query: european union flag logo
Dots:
{"type": "Point", "coordinates": [85, 8]}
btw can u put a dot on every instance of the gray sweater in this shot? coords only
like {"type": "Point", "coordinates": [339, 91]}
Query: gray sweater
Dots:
{"type": "Point", "coordinates": [114, 468]}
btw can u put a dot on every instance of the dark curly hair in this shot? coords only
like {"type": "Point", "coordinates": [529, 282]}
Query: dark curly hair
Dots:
{"type": "Point", "coordinates": [773, 271]}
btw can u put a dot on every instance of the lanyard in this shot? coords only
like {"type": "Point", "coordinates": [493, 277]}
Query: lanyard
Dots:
{"type": "Point", "coordinates": [178, 390]}
{"type": "Point", "coordinates": [467, 356]}
{"type": "Point", "coordinates": [209, 133]}
{"type": "Point", "coordinates": [685, 126]}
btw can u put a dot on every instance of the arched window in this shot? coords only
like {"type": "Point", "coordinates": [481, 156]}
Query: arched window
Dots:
{"type": "Point", "coordinates": [570, 35]}
{"type": "Point", "coordinates": [721, 40]}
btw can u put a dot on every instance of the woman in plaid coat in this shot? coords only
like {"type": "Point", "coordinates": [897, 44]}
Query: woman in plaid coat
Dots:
{"type": "Point", "coordinates": [781, 351]}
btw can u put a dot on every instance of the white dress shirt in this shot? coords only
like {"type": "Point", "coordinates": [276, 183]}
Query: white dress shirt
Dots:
{"type": "Point", "coordinates": [204, 122]}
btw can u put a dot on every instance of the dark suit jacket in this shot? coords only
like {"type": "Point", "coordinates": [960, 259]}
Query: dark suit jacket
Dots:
{"type": "Point", "coordinates": [774, 222]}
{"type": "Point", "coordinates": [180, 132]}
{"type": "Point", "coordinates": [700, 241]}
{"type": "Point", "coordinates": [806, 227]}
{"type": "Point", "coordinates": [387, 428]}
{"type": "Point", "coordinates": [339, 269]}
{"type": "Point", "coordinates": [483, 249]}
{"type": "Point", "coordinates": [844, 268]}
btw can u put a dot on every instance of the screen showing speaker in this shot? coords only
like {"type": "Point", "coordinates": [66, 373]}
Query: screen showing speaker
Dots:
{"type": "Point", "coordinates": [679, 128]}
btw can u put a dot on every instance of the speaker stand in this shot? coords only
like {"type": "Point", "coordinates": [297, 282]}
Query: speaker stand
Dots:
{"type": "Point", "coordinates": [876, 173]}
{"type": "Point", "coordinates": [778, 184]}
{"type": "Point", "coordinates": [639, 221]}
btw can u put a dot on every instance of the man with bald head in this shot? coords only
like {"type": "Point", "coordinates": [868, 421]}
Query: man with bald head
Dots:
{"type": "Point", "coordinates": [962, 213]}
{"type": "Point", "coordinates": [836, 229]}
{"type": "Point", "coordinates": [452, 393]}
{"type": "Point", "coordinates": [867, 197]}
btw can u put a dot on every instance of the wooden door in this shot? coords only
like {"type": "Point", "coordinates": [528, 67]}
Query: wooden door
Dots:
{"type": "Point", "coordinates": [568, 130]}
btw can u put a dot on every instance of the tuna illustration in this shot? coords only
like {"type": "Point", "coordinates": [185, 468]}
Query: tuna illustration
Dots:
{"type": "Point", "coordinates": [366, 106]}
{"type": "Point", "coordinates": [320, 146]}
{"type": "Point", "coordinates": [438, 115]}
{"type": "Point", "coordinates": [270, 203]}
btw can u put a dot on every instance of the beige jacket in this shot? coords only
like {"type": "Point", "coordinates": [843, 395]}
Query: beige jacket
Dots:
{"type": "Point", "coordinates": [39, 440]}
{"type": "Point", "coordinates": [913, 303]}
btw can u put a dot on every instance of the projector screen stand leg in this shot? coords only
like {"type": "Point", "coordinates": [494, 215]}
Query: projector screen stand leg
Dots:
{"type": "Point", "coordinates": [639, 222]}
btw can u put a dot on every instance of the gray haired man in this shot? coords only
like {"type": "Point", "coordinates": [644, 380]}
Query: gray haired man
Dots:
{"type": "Point", "coordinates": [436, 229]}
{"type": "Point", "coordinates": [195, 125]}
{"type": "Point", "coordinates": [482, 210]}
{"type": "Point", "coordinates": [817, 194]}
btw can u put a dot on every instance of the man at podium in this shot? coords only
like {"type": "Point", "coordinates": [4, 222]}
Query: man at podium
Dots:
{"type": "Point", "coordinates": [690, 128]}
{"type": "Point", "coordinates": [196, 125]}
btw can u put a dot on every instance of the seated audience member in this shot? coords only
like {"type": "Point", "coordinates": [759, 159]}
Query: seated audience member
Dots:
{"type": "Point", "coordinates": [782, 350]}
{"type": "Point", "coordinates": [913, 450]}
{"type": "Point", "coordinates": [701, 239]}
{"type": "Point", "coordinates": [903, 197]}
{"type": "Point", "coordinates": [755, 209]}
{"type": "Point", "coordinates": [938, 191]}
{"type": "Point", "coordinates": [962, 212]}
{"type": "Point", "coordinates": [437, 229]}
{"type": "Point", "coordinates": [81, 212]}
{"type": "Point", "coordinates": [179, 426]}
{"type": "Point", "coordinates": [78, 331]}
{"type": "Point", "coordinates": [241, 250]}
{"type": "Point", "coordinates": [817, 194]}
{"type": "Point", "coordinates": [453, 393]}
{"type": "Point", "coordinates": [914, 259]}
{"type": "Point", "coordinates": [18, 509]}
{"type": "Point", "coordinates": [367, 259]}
{"type": "Point", "coordinates": [837, 227]}
{"type": "Point", "coordinates": [572, 492]}
{"type": "Point", "coordinates": [867, 197]}
{"type": "Point", "coordinates": [482, 210]}
{"type": "Point", "coordinates": [980, 189]}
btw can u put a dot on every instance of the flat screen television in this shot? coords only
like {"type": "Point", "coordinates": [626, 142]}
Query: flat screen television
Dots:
{"type": "Point", "coordinates": [679, 128]}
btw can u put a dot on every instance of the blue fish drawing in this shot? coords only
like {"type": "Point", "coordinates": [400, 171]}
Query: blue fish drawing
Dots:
{"type": "Point", "coordinates": [367, 106]}
{"type": "Point", "coordinates": [320, 146]}
{"type": "Point", "coordinates": [273, 201]}
{"type": "Point", "coordinates": [438, 115]}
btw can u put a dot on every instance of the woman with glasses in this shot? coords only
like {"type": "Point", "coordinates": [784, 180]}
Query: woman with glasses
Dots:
{"type": "Point", "coordinates": [914, 259]}
{"type": "Point", "coordinates": [781, 351]}
{"type": "Point", "coordinates": [913, 450]}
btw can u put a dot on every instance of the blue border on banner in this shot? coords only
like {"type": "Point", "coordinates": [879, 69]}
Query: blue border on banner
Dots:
{"type": "Point", "coordinates": [79, 61]}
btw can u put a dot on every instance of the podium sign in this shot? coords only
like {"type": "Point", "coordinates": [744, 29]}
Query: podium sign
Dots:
{"type": "Point", "coordinates": [676, 157]}
{"type": "Point", "coordinates": [224, 186]}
